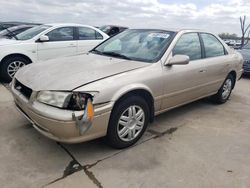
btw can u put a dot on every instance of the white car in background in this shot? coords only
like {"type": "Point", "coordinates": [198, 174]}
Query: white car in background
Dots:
{"type": "Point", "coordinates": [46, 42]}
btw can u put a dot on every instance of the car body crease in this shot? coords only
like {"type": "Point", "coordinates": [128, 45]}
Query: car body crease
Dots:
{"type": "Point", "coordinates": [105, 78]}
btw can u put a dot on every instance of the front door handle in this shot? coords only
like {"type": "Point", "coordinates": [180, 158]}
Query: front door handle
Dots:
{"type": "Point", "coordinates": [202, 71]}
{"type": "Point", "coordinates": [72, 45]}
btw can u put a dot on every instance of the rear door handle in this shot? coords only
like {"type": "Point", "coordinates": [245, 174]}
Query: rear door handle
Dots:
{"type": "Point", "coordinates": [202, 71]}
{"type": "Point", "coordinates": [72, 45]}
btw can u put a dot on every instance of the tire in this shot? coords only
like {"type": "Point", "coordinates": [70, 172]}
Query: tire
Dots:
{"type": "Point", "coordinates": [225, 91]}
{"type": "Point", "coordinates": [10, 66]}
{"type": "Point", "coordinates": [138, 108]}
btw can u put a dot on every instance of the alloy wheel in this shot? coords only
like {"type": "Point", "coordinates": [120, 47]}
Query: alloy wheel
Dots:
{"type": "Point", "coordinates": [13, 67]}
{"type": "Point", "coordinates": [227, 87]}
{"type": "Point", "coordinates": [131, 123]}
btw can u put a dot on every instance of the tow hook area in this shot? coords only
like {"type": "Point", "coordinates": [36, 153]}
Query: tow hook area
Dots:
{"type": "Point", "coordinates": [84, 122]}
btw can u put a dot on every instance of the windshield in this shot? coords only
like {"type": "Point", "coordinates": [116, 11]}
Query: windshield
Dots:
{"type": "Point", "coordinates": [137, 44]}
{"type": "Point", "coordinates": [4, 32]}
{"type": "Point", "coordinates": [10, 29]}
{"type": "Point", "coordinates": [30, 33]}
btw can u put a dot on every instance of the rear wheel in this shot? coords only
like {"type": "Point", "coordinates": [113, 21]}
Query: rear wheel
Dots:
{"type": "Point", "coordinates": [225, 91]}
{"type": "Point", "coordinates": [128, 122]}
{"type": "Point", "coordinates": [10, 66]}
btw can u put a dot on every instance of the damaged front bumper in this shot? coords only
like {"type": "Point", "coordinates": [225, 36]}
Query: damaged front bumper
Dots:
{"type": "Point", "coordinates": [65, 125]}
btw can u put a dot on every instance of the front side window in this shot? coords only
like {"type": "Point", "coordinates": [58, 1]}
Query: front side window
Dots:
{"type": "Point", "coordinates": [88, 34]}
{"type": "Point", "coordinates": [137, 44]}
{"type": "Point", "coordinates": [188, 44]}
{"type": "Point", "coordinates": [61, 34]}
{"type": "Point", "coordinates": [212, 45]}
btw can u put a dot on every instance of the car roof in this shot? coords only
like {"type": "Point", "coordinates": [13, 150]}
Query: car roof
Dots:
{"type": "Point", "coordinates": [115, 26]}
{"type": "Point", "coordinates": [174, 29]}
{"type": "Point", "coordinates": [66, 24]}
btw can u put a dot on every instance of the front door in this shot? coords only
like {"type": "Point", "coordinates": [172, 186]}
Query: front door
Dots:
{"type": "Point", "coordinates": [184, 83]}
{"type": "Point", "coordinates": [61, 43]}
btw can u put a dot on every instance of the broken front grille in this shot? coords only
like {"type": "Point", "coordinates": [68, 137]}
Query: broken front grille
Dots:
{"type": "Point", "coordinates": [23, 89]}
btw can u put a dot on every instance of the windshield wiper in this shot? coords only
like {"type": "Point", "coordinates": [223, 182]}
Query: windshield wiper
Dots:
{"type": "Point", "coordinates": [114, 54]}
{"type": "Point", "coordinates": [10, 32]}
{"type": "Point", "coordinates": [96, 51]}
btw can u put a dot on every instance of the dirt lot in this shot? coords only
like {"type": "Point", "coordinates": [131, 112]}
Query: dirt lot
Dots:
{"type": "Point", "coordinates": [198, 145]}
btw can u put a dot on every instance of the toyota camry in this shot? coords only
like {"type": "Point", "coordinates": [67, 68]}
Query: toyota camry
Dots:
{"type": "Point", "coordinates": [117, 88]}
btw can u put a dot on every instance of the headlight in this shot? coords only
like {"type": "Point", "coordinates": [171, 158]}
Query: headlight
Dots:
{"type": "Point", "coordinates": [65, 100]}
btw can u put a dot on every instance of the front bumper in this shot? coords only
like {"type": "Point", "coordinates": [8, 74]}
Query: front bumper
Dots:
{"type": "Point", "coordinates": [58, 124]}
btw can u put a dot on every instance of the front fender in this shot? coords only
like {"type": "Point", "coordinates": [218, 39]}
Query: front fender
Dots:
{"type": "Point", "coordinates": [24, 49]}
{"type": "Point", "coordinates": [128, 88]}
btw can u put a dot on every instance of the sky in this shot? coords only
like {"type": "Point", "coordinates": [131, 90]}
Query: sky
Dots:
{"type": "Point", "coordinates": [215, 15]}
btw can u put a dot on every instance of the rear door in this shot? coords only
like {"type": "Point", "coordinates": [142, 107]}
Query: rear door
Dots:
{"type": "Point", "coordinates": [88, 38]}
{"type": "Point", "coordinates": [62, 42]}
{"type": "Point", "coordinates": [184, 83]}
{"type": "Point", "coordinates": [217, 61]}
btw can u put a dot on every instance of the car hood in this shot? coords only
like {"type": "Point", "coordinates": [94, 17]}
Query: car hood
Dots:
{"type": "Point", "coordinates": [72, 72]}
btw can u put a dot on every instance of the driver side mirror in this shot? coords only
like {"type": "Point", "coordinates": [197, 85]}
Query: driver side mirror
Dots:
{"type": "Point", "coordinates": [179, 60]}
{"type": "Point", "coordinates": [43, 38]}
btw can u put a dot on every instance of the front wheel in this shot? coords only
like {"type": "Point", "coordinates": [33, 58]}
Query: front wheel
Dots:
{"type": "Point", "coordinates": [128, 122]}
{"type": "Point", "coordinates": [225, 91]}
{"type": "Point", "coordinates": [10, 66]}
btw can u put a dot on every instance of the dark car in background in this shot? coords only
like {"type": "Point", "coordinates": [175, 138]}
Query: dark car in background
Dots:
{"type": "Point", "coordinates": [245, 52]}
{"type": "Point", "coordinates": [112, 30]}
{"type": "Point", "coordinates": [15, 30]}
{"type": "Point", "coordinates": [6, 25]}
{"type": "Point", "coordinates": [236, 44]}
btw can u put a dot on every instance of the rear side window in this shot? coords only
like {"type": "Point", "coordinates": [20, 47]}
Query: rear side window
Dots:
{"type": "Point", "coordinates": [212, 45]}
{"type": "Point", "coordinates": [188, 44]}
{"type": "Point", "coordinates": [61, 34]}
{"type": "Point", "coordinates": [89, 34]}
{"type": "Point", "coordinates": [98, 35]}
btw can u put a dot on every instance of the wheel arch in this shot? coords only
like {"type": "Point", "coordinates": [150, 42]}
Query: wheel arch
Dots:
{"type": "Point", "coordinates": [17, 55]}
{"type": "Point", "coordinates": [234, 74]}
{"type": "Point", "coordinates": [143, 92]}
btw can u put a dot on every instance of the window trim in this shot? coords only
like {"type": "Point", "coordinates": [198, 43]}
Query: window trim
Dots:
{"type": "Point", "coordinates": [193, 32]}
{"type": "Point", "coordinates": [202, 42]}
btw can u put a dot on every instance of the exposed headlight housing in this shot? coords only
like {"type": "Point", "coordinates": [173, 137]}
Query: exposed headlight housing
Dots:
{"type": "Point", "coordinates": [66, 100]}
